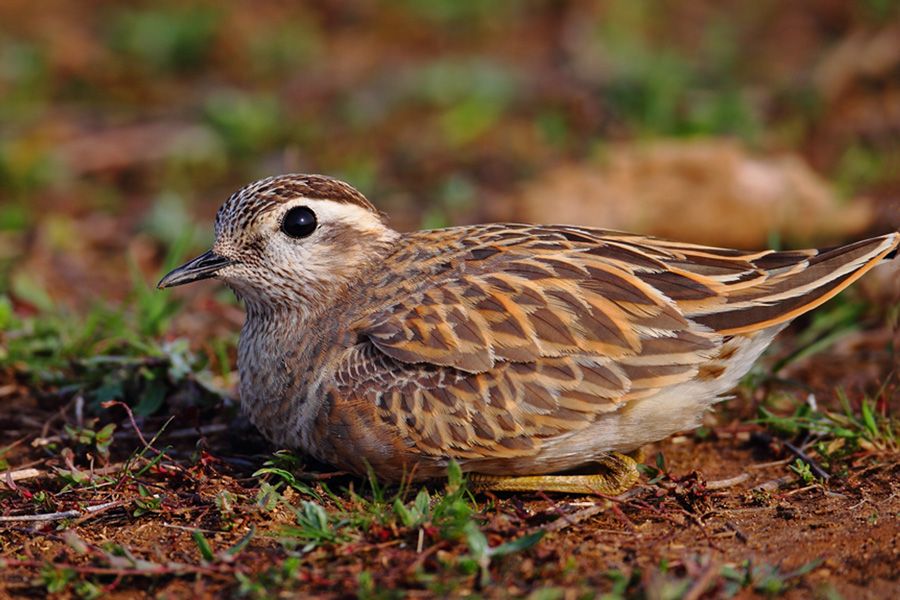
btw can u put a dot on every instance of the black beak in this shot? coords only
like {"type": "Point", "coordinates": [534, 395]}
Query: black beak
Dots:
{"type": "Point", "coordinates": [203, 267]}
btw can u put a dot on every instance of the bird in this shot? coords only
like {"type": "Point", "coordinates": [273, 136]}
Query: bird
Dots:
{"type": "Point", "coordinates": [535, 357]}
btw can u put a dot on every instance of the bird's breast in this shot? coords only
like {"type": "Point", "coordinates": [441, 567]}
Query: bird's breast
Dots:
{"type": "Point", "coordinates": [282, 364]}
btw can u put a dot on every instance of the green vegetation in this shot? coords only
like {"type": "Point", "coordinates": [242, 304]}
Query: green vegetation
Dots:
{"type": "Point", "coordinates": [835, 436]}
{"type": "Point", "coordinates": [662, 91]}
{"type": "Point", "coordinates": [105, 356]}
{"type": "Point", "coordinates": [163, 40]}
{"type": "Point", "coordinates": [124, 127]}
{"type": "Point", "coordinates": [729, 580]}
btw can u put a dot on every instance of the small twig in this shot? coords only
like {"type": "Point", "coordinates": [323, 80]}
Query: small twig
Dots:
{"type": "Point", "coordinates": [726, 483]}
{"type": "Point", "coordinates": [701, 583]}
{"type": "Point", "coordinates": [618, 512]}
{"type": "Point", "coordinates": [626, 496]}
{"type": "Point", "coordinates": [813, 465]}
{"type": "Point", "coordinates": [102, 508]}
{"type": "Point", "coordinates": [66, 514]}
{"type": "Point", "coordinates": [799, 490]}
{"type": "Point", "coordinates": [79, 410]}
{"type": "Point", "coordinates": [555, 507]}
{"type": "Point", "coordinates": [22, 474]}
{"type": "Point", "coordinates": [585, 513]}
{"type": "Point", "coordinates": [737, 532]}
{"type": "Point", "coordinates": [861, 502]}
{"type": "Point", "coordinates": [749, 509]}
{"type": "Point", "coordinates": [15, 443]}
{"type": "Point", "coordinates": [190, 529]}
{"type": "Point", "coordinates": [774, 463]}
{"type": "Point", "coordinates": [423, 556]}
{"type": "Point", "coordinates": [146, 571]}
{"type": "Point", "coordinates": [629, 497]}
{"type": "Point", "coordinates": [699, 523]}
{"type": "Point", "coordinates": [137, 430]}
{"type": "Point", "coordinates": [773, 484]}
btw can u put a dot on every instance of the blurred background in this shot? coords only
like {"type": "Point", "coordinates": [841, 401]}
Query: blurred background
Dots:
{"type": "Point", "coordinates": [124, 125]}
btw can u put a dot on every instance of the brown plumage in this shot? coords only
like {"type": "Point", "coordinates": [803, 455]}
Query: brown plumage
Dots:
{"type": "Point", "coordinates": [513, 349]}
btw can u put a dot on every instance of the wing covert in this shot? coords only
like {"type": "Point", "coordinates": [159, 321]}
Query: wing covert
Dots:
{"type": "Point", "coordinates": [494, 356]}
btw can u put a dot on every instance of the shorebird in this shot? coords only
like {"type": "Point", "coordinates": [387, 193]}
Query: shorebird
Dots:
{"type": "Point", "coordinates": [523, 352]}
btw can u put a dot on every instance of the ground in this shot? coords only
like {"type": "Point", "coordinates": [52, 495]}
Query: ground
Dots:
{"type": "Point", "coordinates": [727, 510]}
{"type": "Point", "coordinates": [126, 468]}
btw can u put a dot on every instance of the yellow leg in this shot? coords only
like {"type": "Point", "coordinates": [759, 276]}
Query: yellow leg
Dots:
{"type": "Point", "coordinates": [638, 455]}
{"type": "Point", "coordinates": [621, 474]}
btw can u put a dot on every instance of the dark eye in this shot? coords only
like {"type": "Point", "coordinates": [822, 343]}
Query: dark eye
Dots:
{"type": "Point", "coordinates": [299, 222]}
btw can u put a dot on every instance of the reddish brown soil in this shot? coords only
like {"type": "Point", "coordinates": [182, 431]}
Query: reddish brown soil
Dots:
{"type": "Point", "coordinates": [850, 526]}
{"type": "Point", "coordinates": [104, 114]}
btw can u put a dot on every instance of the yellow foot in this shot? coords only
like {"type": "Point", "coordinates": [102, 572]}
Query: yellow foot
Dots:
{"type": "Point", "coordinates": [638, 455]}
{"type": "Point", "coordinates": [621, 473]}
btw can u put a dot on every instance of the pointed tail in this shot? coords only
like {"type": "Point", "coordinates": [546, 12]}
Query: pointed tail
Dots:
{"type": "Point", "coordinates": [796, 282]}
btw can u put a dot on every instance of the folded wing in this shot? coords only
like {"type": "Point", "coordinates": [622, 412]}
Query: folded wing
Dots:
{"type": "Point", "coordinates": [536, 332]}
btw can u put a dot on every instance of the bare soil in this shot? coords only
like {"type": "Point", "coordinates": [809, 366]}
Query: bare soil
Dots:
{"type": "Point", "coordinates": [97, 187]}
{"type": "Point", "coordinates": [729, 497]}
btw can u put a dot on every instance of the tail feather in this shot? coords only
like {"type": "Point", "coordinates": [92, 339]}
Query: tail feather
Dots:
{"type": "Point", "coordinates": [801, 282]}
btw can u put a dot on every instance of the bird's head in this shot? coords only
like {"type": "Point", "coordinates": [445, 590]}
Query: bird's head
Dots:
{"type": "Point", "coordinates": [290, 239]}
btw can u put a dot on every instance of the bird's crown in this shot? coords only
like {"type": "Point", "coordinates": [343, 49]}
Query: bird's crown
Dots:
{"type": "Point", "coordinates": [262, 196]}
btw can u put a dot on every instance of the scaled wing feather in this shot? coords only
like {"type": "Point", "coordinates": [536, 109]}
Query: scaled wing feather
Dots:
{"type": "Point", "coordinates": [516, 334]}
{"type": "Point", "coordinates": [537, 339]}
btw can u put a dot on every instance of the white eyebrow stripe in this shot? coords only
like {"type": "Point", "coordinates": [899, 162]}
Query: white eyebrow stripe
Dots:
{"type": "Point", "coordinates": [329, 211]}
